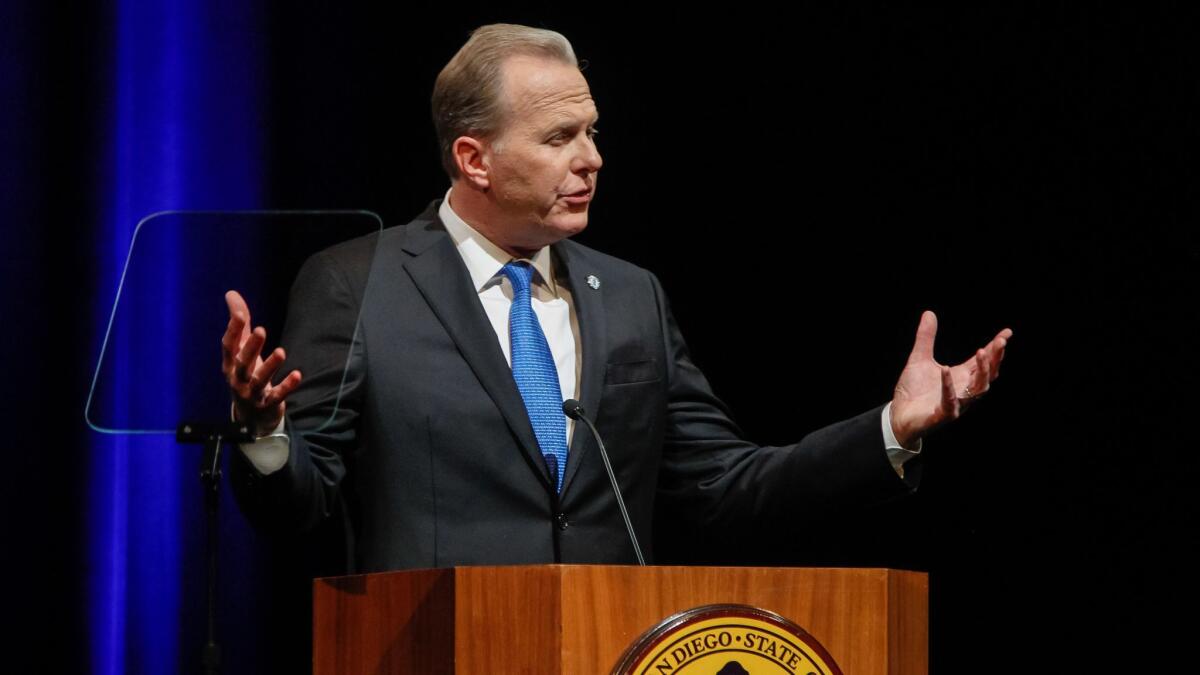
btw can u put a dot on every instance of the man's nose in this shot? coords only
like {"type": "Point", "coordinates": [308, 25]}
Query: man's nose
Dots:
{"type": "Point", "coordinates": [588, 159]}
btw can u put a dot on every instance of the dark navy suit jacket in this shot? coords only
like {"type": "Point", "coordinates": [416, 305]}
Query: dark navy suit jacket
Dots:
{"type": "Point", "coordinates": [427, 455]}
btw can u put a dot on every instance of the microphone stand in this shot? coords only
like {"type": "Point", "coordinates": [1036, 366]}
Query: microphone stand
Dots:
{"type": "Point", "coordinates": [574, 410]}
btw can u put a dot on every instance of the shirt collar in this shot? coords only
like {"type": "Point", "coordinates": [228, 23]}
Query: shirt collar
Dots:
{"type": "Point", "coordinates": [484, 259]}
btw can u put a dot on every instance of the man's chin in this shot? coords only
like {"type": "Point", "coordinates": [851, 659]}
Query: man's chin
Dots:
{"type": "Point", "coordinates": [568, 226]}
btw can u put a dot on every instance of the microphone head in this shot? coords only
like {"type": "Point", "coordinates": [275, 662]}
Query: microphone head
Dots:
{"type": "Point", "coordinates": [572, 408]}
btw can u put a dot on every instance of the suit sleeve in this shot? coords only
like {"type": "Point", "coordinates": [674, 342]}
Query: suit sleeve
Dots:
{"type": "Point", "coordinates": [321, 339]}
{"type": "Point", "coordinates": [711, 477]}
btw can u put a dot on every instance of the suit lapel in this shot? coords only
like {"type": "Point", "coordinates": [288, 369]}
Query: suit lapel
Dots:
{"type": "Point", "coordinates": [589, 307]}
{"type": "Point", "coordinates": [438, 271]}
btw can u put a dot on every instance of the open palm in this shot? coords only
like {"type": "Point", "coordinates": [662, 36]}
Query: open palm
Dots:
{"type": "Point", "coordinates": [929, 394]}
{"type": "Point", "coordinates": [256, 400]}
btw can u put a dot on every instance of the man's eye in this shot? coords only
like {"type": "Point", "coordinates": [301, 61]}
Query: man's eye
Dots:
{"type": "Point", "coordinates": [565, 137]}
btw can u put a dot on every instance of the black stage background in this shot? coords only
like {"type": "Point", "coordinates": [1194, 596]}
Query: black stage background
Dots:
{"type": "Point", "coordinates": [804, 184]}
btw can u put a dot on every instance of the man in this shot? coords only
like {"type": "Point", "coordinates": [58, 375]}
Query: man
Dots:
{"type": "Point", "coordinates": [443, 442]}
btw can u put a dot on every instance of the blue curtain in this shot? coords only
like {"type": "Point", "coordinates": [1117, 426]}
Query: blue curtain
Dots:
{"type": "Point", "coordinates": [179, 128]}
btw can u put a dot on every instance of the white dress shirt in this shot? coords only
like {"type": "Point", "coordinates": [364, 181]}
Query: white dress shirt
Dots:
{"type": "Point", "coordinates": [555, 309]}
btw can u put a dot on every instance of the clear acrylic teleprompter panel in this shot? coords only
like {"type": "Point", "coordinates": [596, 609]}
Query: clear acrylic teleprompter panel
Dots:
{"type": "Point", "coordinates": [160, 359]}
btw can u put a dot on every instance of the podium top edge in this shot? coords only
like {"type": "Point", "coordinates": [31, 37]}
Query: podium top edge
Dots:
{"type": "Point", "coordinates": [573, 567]}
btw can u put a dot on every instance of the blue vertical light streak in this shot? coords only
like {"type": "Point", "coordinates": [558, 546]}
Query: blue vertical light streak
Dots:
{"type": "Point", "coordinates": [182, 134]}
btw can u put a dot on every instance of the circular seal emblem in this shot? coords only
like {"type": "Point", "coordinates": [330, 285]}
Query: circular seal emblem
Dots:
{"type": "Point", "coordinates": [726, 640]}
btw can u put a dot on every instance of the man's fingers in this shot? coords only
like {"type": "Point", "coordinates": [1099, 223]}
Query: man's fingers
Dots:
{"type": "Point", "coordinates": [282, 390]}
{"type": "Point", "coordinates": [230, 342]}
{"type": "Point", "coordinates": [248, 355]}
{"type": "Point", "coordinates": [926, 332]}
{"type": "Point", "coordinates": [983, 374]}
{"type": "Point", "coordinates": [235, 331]}
{"type": "Point", "coordinates": [949, 396]}
{"type": "Point", "coordinates": [263, 374]}
{"type": "Point", "coordinates": [236, 304]}
{"type": "Point", "coordinates": [239, 311]}
{"type": "Point", "coordinates": [995, 356]}
{"type": "Point", "coordinates": [996, 351]}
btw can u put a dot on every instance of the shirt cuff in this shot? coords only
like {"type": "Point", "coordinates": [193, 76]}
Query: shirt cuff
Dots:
{"type": "Point", "coordinates": [897, 454]}
{"type": "Point", "coordinates": [267, 454]}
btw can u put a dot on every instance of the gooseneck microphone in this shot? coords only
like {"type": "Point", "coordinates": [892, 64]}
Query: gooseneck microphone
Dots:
{"type": "Point", "coordinates": [574, 410]}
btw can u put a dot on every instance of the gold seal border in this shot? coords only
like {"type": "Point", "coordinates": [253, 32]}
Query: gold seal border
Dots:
{"type": "Point", "coordinates": [682, 634]}
{"type": "Point", "coordinates": [650, 640]}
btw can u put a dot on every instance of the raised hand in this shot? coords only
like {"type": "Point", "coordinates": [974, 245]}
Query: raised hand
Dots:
{"type": "Point", "coordinates": [930, 394]}
{"type": "Point", "coordinates": [256, 401]}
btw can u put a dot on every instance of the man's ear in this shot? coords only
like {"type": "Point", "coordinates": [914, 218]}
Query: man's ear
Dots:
{"type": "Point", "coordinates": [470, 155]}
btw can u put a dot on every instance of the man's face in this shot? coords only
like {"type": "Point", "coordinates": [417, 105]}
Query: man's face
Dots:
{"type": "Point", "coordinates": [542, 165]}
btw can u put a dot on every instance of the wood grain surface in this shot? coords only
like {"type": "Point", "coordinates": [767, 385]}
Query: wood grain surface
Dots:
{"type": "Point", "coordinates": [579, 619]}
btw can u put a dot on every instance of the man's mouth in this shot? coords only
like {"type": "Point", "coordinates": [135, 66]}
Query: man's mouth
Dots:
{"type": "Point", "coordinates": [581, 197]}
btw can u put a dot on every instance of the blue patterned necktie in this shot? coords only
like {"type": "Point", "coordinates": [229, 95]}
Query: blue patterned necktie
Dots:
{"type": "Point", "coordinates": [533, 369]}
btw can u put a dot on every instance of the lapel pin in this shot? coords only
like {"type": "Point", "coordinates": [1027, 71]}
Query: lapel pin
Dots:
{"type": "Point", "coordinates": [593, 282]}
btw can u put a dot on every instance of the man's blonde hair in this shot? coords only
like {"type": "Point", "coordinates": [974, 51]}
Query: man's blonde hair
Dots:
{"type": "Point", "coordinates": [468, 96]}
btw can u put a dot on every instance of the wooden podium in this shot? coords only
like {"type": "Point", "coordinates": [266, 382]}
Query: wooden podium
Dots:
{"type": "Point", "coordinates": [580, 619]}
